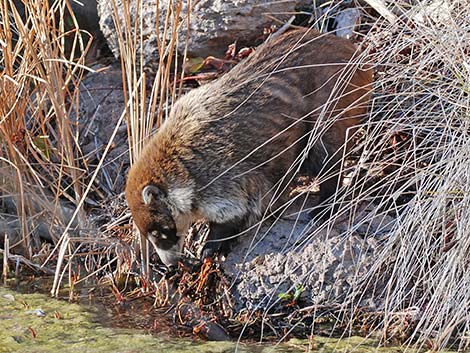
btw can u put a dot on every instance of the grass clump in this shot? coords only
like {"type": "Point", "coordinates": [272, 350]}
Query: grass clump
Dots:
{"type": "Point", "coordinates": [415, 163]}
{"type": "Point", "coordinates": [39, 79]}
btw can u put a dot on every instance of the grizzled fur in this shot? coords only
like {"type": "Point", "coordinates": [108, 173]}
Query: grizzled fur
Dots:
{"type": "Point", "coordinates": [230, 147]}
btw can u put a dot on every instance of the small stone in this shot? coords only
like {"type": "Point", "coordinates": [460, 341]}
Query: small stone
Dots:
{"type": "Point", "coordinates": [9, 297]}
{"type": "Point", "coordinates": [38, 312]}
{"type": "Point", "coordinates": [346, 21]}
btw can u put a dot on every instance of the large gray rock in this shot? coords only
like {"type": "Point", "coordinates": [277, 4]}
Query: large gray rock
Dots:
{"type": "Point", "coordinates": [214, 23]}
{"type": "Point", "coordinates": [328, 263]}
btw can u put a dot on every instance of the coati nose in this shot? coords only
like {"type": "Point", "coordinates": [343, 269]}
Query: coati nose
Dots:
{"type": "Point", "coordinates": [168, 257]}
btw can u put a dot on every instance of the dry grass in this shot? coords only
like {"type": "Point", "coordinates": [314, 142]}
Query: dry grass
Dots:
{"type": "Point", "coordinates": [39, 89]}
{"type": "Point", "coordinates": [417, 139]}
{"type": "Point", "coordinates": [145, 110]}
{"type": "Point", "coordinates": [413, 164]}
{"type": "Point", "coordinates": [413, 158]}
{"type": "Point", "coordinates": [44, 178]}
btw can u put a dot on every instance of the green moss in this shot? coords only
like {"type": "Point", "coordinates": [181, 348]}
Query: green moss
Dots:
{"type": "Point", "coordinates": [75, 329]}
{"type": "Point", "coordinates": [71, 328]}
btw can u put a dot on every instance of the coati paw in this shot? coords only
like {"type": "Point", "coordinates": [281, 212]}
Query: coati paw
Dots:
{"type": "Point", "coordinates": [210, 250]}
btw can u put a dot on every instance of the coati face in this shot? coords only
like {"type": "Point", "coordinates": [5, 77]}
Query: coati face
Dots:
{"type": "Point", "coordinates": [152, 214]}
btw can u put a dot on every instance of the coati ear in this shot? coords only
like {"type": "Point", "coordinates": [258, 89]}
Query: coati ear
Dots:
{"type": "Point", "coordinates": [151, 193]}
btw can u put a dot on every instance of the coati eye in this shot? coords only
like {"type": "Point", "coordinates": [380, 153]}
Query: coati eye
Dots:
{"type": "Point", "coordinates": [165, 232]}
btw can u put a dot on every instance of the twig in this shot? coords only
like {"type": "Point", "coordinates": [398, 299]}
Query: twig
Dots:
{"type": "Point", "coordinates": [5, 257]}
{"type": "Point", "coordinates": [25, 261]}
{"type": "Point", "coordinates": [381, 8]}
{"type": "Point", "coordinates": [281, 30]}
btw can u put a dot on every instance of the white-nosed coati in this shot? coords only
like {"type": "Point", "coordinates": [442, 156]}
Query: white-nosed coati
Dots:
{"type": "Point", "coordinates": [230, 145]}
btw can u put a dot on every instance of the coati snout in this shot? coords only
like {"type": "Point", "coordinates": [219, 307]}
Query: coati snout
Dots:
{"type": "Point", "coordinates": [156, 221]}
{"type": "Point", "coordinates": [230, 148]}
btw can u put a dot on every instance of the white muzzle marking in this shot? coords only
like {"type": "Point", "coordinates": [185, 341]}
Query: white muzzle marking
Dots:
{"type": "Point", "coordinates": [170, 256]}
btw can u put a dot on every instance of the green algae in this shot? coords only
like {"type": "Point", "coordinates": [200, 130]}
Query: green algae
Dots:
{"type": "Point", "coordinates": [68, 327]}
{"type": "Point", "coordinates": [36, 323]}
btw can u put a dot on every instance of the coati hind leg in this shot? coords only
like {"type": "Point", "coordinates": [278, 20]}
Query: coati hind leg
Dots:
{"type": "Point", "coordinates": [326, 164]}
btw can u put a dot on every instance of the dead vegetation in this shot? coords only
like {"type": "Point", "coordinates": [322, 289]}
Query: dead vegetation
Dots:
{"type": "Point", "coordinates": [412, 163]}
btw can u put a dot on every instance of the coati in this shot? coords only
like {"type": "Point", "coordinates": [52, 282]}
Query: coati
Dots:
{"type": "Point", "coordinates": [229, 148]}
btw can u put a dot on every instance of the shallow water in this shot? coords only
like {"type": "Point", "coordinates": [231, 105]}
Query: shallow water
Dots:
{"type": "Point", "coordinates": [31, 322]}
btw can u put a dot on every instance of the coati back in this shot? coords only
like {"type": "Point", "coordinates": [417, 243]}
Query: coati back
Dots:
{"type": "Point", "coordinates": [229, 148]}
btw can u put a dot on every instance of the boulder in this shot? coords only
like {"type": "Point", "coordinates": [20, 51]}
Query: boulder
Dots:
{"type": "Point", "coordinates": [214, 24]}
{"type": "Point", "coordinates": [327, 262]}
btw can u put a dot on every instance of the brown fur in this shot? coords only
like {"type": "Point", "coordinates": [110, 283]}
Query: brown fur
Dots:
{"type": "Point", "coordinates": [226, 150]}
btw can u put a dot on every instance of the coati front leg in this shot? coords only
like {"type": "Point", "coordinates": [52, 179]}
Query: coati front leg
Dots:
{"type": "Point", "coordinates": [220, 237]}
{"type": "Point", "coordinates": [325, 207]}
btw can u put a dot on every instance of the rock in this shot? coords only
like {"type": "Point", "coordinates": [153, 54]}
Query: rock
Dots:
{"type": "Point", "coordinates": [101, 105]}
{"type": "Point", "coordinates": [9, 297]}
{"type": "Point", "coordinates": [327, 263]}
{"type": "Point", "coordinates": [214, 24]}
{"type": "Point", "coordinates": [11, 227]}
{"type": "Point", "coordinates": [210, 331]}
{"type": "Point", "coordinates": [45, 221]}
{"type": "Point", "coordinates": [86, 14]}
{"type": "Point", "coordinates": [38, 312]}
{"type": "Point", "coordinates": [346, 21]}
